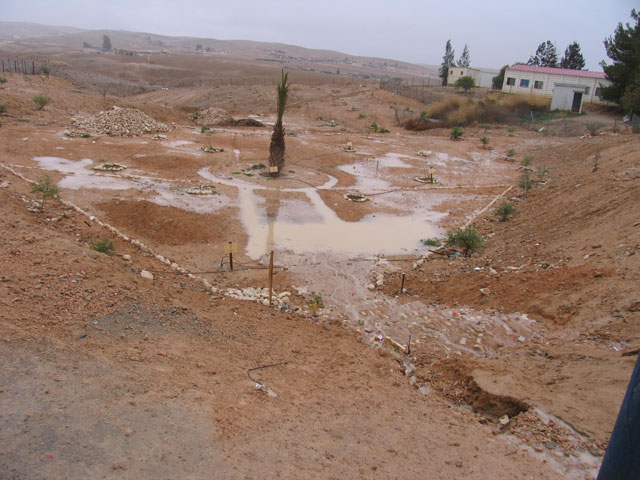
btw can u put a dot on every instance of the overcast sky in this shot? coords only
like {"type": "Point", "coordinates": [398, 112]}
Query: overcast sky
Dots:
{"type": "Point", "coordinates": [497, 32]}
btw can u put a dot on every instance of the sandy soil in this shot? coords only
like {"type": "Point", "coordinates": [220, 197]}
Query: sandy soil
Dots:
{"type": "Point", "coordinates": [110, 374]}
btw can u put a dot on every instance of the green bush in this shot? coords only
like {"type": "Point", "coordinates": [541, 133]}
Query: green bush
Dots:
{"type": "Point", "coordinates": [3, 108]}
{"type": "Point", "coordinates": [456, 133]}
{"type": "Point", "coordinates": [467, 83]}
{"type": "Point", "coordinates": [466, 238]}
{"type": "Point", "coordinates": [505, 210]}
{"type": "Point", "coordinates": [3, 80]}
{"type": "Point", "coordinates": [41, 100]}
{"type": "Point", "coordinates": [484, 141]}
{"type": "Point", "coordinates": [103, 246]}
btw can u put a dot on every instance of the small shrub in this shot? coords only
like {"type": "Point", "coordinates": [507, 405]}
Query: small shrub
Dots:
{"type": "Point", "coordinates": [204, 129]}
{"type": "Point", "coordinates": [511, 153]}
{"type": "Point", "coordinates": [466, 238]}
{"type": "Point", "coordinates": [596, 159]}
{"type": "Point", "coordinates": [41, 100]}
{"type": "Point", "coordinates": [430, 242]}
{"type": "Point", "coordinates": [3, 108]}
{"type": "Point", "coordinates": [525, 182]}
{"type": "Point", "coordinates": [46, 188]}
{"type": "Point", "coordinates": [362, 115]}
{"type": "Point", "coordinates": [505, 210]}
{"type": "Point", "coordinates": [484, 141]}
{"type": "Point", "coordinates": [456, 133]}
{"type": "Point", "coordinates": [103, 246]}
{"type": "Point", "coordinates": [527, 161]}
{"type": "Point", "coordinates": [258, 166]}
{"type": "Point", "coordinates": [485, 126]}
{"type": "Point", "coordinates": [44, 70]}
{"type": "Point", "coordinates": [542, 172]}
{"type": "Point", "coordinates": [320, 118]}
{"type": "Point", "coordinates": [3, 80]}
{"type": "Point", "coordinates": [85, 135]}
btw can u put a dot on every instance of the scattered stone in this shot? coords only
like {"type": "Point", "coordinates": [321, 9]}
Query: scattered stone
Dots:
{"type": "Point", "coordinates": [126, 257]}
{"type": "Point", "coordinates": [146, 274]}
{"type": "Point", "coordinates": [504, 420]}
{"type": "Point", "coordinates": [485, 291]}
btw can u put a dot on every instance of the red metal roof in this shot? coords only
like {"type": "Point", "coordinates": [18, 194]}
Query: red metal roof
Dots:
{"type": "Point", "coordinates": [558, 71]}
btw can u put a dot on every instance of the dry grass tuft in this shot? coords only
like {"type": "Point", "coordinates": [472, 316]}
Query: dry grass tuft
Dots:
{"type": "Point", "coordinates": [492, 108]}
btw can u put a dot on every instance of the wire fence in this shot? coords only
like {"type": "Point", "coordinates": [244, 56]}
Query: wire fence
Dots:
{"type": "Point", "coordinates": [561, 124]}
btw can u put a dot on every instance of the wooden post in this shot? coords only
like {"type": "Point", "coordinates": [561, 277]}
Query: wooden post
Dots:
{"type": "Point", "coordinates": [402, 284]}
{"type": "Point", "coordinates": [271, 278]}
{"type": "Point", "coordinates": [230, 257]}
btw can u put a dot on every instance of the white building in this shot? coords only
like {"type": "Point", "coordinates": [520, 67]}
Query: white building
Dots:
{"type": "Point", "coordinates": [532, 80]}
{"type": "Point", "coordinates": [482, 77]}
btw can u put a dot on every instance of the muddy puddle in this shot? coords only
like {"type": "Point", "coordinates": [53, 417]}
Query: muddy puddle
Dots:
{"type": "Point", "coordinates": [314, 226]}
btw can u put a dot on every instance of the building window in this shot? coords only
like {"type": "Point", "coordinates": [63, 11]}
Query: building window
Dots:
{"type": "Point", "coordinates": [597, 92]}
{"type": "Point", "coordinates": [524, 83]}
{"type": "Point", "coordinates": [537, 84]}
{"type": "Point", "coordinates": [511, 81]}
{"type": "Point", "coordinates": [587, 90]}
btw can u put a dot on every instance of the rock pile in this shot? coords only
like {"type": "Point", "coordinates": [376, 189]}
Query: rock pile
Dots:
{"type": "Point", "coordinates": [218, 117]}
{"type": "Point", "coordinates": [212, 117]}
{"type": "Point", "coordinates": [121, 122]}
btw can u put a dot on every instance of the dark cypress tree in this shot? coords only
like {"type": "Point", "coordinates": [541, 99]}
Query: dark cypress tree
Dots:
{"type": "Point", "coordinates": [545, 55]}
{"type": "Point", "coordinates": [624, 49]}
{"type": "Point", "coordinates": [448, 60]}
{"type": "Point", "coordinates": [573, 58]}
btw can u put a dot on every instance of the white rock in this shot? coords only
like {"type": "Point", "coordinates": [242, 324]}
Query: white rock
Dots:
{"type": "Point", "coordinates": [146, 274]}
{"type": "Point", "coordinates": [504, 419]}
{"type": "Point", "coordinates": [126, 257]}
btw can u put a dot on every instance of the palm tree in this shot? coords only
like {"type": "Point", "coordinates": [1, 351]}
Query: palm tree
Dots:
{"type": "Point", "coordinates": [276, 149]}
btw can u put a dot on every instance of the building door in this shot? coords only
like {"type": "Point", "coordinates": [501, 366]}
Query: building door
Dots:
{"type": "Point", "coordinates": [577, 102]}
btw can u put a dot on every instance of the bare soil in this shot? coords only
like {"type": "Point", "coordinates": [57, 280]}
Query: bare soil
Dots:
{"type": "Point", "coordinates": [108, 374]}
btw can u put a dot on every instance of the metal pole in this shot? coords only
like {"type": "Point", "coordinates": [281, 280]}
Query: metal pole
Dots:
{"type": "Point", "coordinates": [270, 277]}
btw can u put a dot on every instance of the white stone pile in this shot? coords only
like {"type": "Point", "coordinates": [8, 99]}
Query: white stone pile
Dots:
{"type": "Point", "coordinates": [213, 117]}
{"type": "Point", "coordinates": [121, 122]}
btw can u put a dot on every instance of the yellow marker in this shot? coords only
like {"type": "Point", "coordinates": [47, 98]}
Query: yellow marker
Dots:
{"type": "Point", "coordinates": [231, 247]}
{"type": "Point", "coordinates": [273, 169]}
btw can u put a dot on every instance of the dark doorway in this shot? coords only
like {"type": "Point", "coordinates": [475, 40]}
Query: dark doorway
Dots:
{"type": "Point", "coordinates": [577, 102]}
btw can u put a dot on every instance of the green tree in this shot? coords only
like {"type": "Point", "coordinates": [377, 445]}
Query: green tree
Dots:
{"type": "Point", "coordinates": [467, 83]}
{"type": "Point", "coordinates": [46, 188]}
{"type": "Point", "coordinates": [106, 43]}
{"type": "Point", "coordinates": [277, 147]}
{"type": "Point", "coordinates": [573, 58]}
{"type": "Point", "coordinates": [41, 100]}
{"type": "Point", "coordinates": [465, 58]}
{"type": "Point", "coordinates": [545, 56]}
{"type": "Point", "coordinates": [498, 80]}
{"type": "Point", "coordinates": [624, 49]}
{"type": "Point", "coordinates": [448, 61]}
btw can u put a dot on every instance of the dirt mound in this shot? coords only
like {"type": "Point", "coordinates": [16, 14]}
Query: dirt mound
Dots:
{"type": "Point", "coordinates": [121, 122]}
